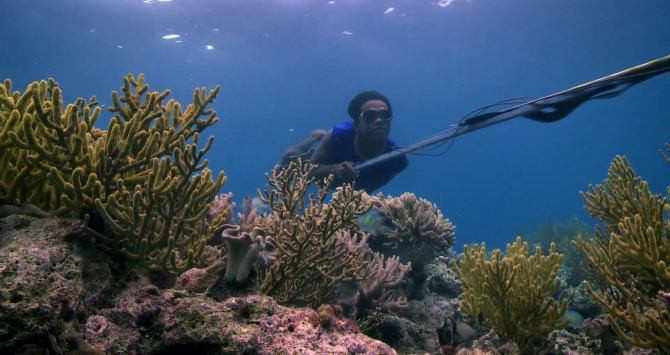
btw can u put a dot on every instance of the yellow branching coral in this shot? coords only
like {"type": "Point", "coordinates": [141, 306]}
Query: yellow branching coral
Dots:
{"type": "Point", "coordinates": [417, 227]}
{"type": "Point", "coordinates": [46, 149]}
{"type": "Point", "coordinates": [317, 244]}
{"type": "Point", "coordinates": [632, 252]}
{"type": "Point", "coordinates": [144, 175]}
{"type": "Point", "coordinates": [513, 293]}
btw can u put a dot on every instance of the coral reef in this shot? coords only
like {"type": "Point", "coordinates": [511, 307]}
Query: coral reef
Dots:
{"type": "Point", "coordinates": [441, 278]}
{"type": "Point", "coordinates": [489, 343]}
{"type": "Point", "coordinates": [59, 294]}
{"type": "Point", "coordinates": [317, 242]}
{"type": "Point", "coordinates": [45, 151]}
{"type": "Point", "coordinates": [513, 294]}
{"type": "Point", "coordinates": [414, 329]}
{"type": "Point", "coordinates": [382, 275]}
{"type": "Point", "coordinates": [580, 300]}
{"type": "Point", "coordinates": [222, 204]}
{"type": "Point", "coordinates": [144, 176]}
{"type": "Point", "coordinates": [632, 252]}
{"type": "Point", "coordinates": [563, 342]}
{"type": "Point", "coordinates": [418, 232]}
{"type": "Point", "coordinates": [574, 266]}
{"type": "Point", "coordinates": [599, 328]}
{"type": "Point", "coordinates": [244, 249]}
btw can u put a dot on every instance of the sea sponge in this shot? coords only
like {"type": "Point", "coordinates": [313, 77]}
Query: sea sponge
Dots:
{"type": "Point", "coordinates": [326, 315]}
{"type": "Point", "coordinates": [244, 249]}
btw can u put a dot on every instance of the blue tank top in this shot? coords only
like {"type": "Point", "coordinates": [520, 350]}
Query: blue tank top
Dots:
{"type": "Point", "coordinates": [343, 140]}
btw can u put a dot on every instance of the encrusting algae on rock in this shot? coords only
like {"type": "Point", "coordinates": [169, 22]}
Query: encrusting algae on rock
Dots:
{"type": "Point", "coordinates": [58, 294]}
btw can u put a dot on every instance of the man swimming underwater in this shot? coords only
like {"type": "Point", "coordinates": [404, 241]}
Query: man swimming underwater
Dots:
{"type": "Point", "coordinates": [351, 142]}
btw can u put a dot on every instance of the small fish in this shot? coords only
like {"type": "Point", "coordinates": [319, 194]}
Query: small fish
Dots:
{"type": "Point", "coordinates": [575, 318]}
{"type": "Point", "coordinates": [348, 289]}
{"type": "Point", "coordinates": [373, 222]}
{"type": "Point", "coordinates": [346, 293]}
{"type": "Point", "coordinates": [465, 331]}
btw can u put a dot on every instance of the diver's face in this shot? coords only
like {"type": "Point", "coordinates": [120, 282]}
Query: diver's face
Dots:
{"type": "Point", "coordinates": [374, 122]}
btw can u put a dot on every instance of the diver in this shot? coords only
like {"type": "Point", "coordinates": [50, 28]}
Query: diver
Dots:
{"type": "Point", "coordinates": [348, 143]}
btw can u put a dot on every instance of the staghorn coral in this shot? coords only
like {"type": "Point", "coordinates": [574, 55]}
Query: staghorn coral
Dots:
{"type": "Point", "coordinates": [513, 293]}
{"type": "Point", "coordinates": [417, 228]}
{"type": "Point", "coordinates": [144, 176]}
{"type": "Point", "coordinates": [317, 244]}
{"type": "Point", "coordinates": [632, 252]}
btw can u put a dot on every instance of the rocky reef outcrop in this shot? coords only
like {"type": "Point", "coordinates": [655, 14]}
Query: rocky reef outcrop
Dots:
{"type": "Point", "coordinates": [60, 294]}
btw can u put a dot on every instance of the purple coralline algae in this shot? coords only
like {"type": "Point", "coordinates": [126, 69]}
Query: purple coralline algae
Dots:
{"type": "Point", "coordinates": [59, 294]}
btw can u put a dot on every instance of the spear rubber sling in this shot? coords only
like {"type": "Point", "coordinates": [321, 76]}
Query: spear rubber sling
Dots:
{"type": "Point", "coordinates": [550, 108]}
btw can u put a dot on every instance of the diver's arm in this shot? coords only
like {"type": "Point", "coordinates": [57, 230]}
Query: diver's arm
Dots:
{"type": "Point", "coordinates": [322, 158]}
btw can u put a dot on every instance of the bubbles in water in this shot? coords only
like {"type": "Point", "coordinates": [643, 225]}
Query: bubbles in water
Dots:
{"type": "Point", "coordinates": [444, 3]}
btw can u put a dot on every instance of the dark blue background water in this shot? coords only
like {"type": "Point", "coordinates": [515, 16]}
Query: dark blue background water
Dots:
{"type": "Point", "coordinates": [287, 67]}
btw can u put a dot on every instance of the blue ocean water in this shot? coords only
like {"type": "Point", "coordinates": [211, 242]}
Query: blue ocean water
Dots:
{"type": "Point", "coordinates": [287, 67]}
